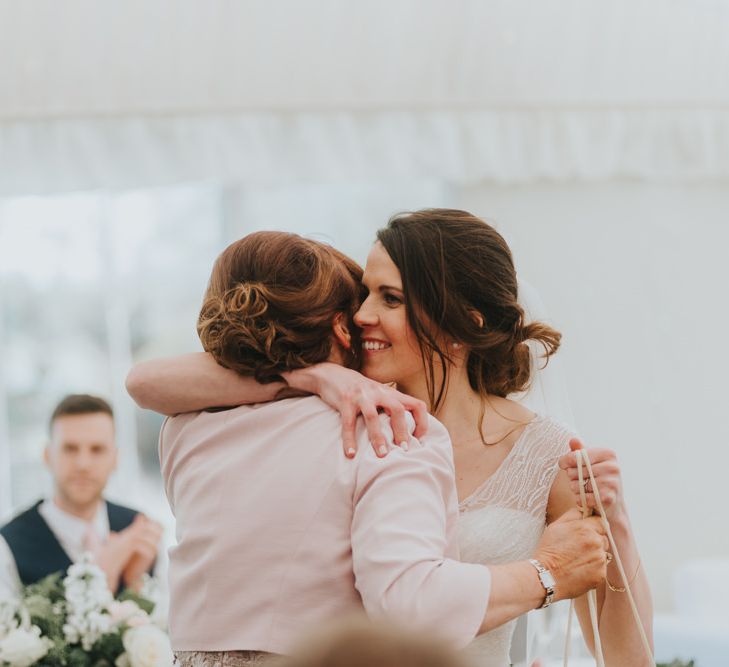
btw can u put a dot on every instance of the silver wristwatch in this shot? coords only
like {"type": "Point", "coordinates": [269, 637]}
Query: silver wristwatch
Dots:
{"type": "Point", "coordinates": [547, 580]}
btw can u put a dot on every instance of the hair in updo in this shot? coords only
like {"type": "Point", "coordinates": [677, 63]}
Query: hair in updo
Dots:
{"type": "Point", "coordinates": [457, 270]}
{"type": "Point", "coordinates": [271, 303]}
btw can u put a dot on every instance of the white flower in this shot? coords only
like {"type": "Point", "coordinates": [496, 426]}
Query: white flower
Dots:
{"type": "Point", "coordinates": [87, 597]}
{"type": "Point", "coordinates": [127, 612]}
{"type": "Point", "coordinates": [22, 647]}
{"type": "Point", "coordinates": [8, 622]}
{"type": "Point", "coordinates": [86, 587]}
{"type": "Point", "coordinates": [147, 646]}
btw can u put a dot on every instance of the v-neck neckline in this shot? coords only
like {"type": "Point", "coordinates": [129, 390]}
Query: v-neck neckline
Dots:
{"type": "Point", "coordinates": [479, 489]}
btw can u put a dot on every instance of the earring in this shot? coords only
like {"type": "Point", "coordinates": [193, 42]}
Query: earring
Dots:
{"type": "Point", "coordinates": [456, 346]}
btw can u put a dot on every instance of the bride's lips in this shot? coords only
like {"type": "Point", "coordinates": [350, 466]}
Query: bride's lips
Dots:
{"type": "Point", "coordinates": [374, 345]}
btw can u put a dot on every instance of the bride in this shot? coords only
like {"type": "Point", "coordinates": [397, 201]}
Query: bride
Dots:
{"type": "Point", "coordinates": [441, 320]}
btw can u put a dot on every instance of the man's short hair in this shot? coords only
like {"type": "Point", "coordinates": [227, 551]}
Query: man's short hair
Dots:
{"type": "Point", "coordinates": [81, 404]}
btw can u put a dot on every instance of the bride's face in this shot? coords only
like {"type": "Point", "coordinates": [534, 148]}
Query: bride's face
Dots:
{"type": "Point", "coordinates": [390, 351]}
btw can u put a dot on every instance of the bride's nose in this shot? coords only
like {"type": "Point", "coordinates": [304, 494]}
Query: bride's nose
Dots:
{"type": "Point", "coordinates": [365, 317]}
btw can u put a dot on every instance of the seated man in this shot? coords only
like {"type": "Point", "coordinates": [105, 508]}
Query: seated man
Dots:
{"type": "Point", "coordinates": [56, 532]}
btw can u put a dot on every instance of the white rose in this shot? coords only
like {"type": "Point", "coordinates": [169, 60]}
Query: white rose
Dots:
{"type": "Point", "coordinates": [147, 646]}
{"type": "Point", "coordinates": [22, 647]}
{"type": "Point", "coordinates": [127, 612]}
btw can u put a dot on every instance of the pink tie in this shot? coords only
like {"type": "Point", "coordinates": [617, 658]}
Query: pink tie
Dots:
{"type": "Point", "coordinates": [92, 541]}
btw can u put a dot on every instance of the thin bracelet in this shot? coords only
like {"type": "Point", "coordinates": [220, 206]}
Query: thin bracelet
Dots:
{"type": "Point", "coordinates": [616, 589]}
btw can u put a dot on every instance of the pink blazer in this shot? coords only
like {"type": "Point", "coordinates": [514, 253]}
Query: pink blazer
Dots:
{"type": "Point", "coordinates": [278, 532]}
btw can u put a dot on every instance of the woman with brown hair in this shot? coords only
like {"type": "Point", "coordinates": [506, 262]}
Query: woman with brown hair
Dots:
{"type": "Point", "coordinates": [274, 533]}
{"type": "Point", "coordinates": [441, 320]}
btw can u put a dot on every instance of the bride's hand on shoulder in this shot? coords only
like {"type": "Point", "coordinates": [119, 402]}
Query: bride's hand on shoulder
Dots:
{"type": "Point", "coordinates": [606, 470]}
{"type": "Point", "coordinates": [352, 394]}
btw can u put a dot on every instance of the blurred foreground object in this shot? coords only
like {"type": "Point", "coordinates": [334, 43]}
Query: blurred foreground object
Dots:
{"type": "Point", "coordinates": [361, 643]}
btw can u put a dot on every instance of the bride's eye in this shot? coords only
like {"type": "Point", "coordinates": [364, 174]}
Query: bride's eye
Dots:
{"type": "Point", "coordinates": [391, 299]}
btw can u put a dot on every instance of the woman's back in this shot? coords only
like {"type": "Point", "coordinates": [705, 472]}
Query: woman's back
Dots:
{"type": "Point", "coordinates": [246, 486]}
{"type": "Point", "coordinates": [279, 532]}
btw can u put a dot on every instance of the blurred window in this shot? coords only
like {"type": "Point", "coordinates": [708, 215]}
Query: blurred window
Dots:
{"type": "Point", "coordinates": [89, 281]}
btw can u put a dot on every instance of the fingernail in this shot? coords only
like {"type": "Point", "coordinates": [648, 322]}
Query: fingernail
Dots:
{"type": "Point", "coordinates": [350, 452]}
{"type": "Point", "coordinates": [404, 445]}
{"type": "Point", "coordinates": [382, 450]}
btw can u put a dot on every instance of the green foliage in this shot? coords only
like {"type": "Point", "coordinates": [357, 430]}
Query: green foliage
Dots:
{"type": "Point", "coordinates": [77, 657]}
{"type": "Point", "coordinates": [142, 603]}
{"type": "Point", "coordinates": [50, 587]}
{"type": "Point", "coordinates": [108, 646]}
{"type": "Point", "coordinates": [676, 663]}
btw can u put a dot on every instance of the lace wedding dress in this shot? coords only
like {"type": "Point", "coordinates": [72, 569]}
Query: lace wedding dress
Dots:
{"type": "Point", "coordinates": [503, 519]}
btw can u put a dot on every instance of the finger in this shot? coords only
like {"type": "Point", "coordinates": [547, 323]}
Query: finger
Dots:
{"type": "Point", "coordinates": [595, 455]}
{"type": "Point", "coordinates": [589, 499]}
{"type": "Point", "coordinates": [153, 534]}
{"type": "Point", "coordinates": [575, 444]}
{"type": "Point", "coordinates": [400, 431]}
{"type": "Point", "coordinates": [349, 427]}
{"type": "Point", "coordinates": [607, 486]}
{"type": "Point", "coordinates": [608, 494]}
{"type": "Point", "coordinates": [420, 413]}
{"type": "Point", "coordinates": [595, 523]}
{"type": "Point", "coordinates": [603, 469]}
{"type": "Point", "coordinates": [146, 548]}
{"type": "Point", "coordinates": [569, 515]}
{"type": "Point", "coordinates": [374, 430]}
{"type": "Point", "coordinates": [575, 487]}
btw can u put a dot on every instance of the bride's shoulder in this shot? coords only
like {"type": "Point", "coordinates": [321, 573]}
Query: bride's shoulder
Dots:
{"type": "Point", "coordinates": [542, 434]}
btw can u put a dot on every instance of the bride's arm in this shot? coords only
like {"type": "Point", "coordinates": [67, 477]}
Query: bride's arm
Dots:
{"type": "Point", "coordinates": [196, 381]}
{"type": "Point", "coordinates": [192, 382]}
{"type": "Point", "coordinates": [619, 636]}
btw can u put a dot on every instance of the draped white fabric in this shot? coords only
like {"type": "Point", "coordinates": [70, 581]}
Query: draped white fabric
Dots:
{"type": "Point", "coordinates": [81, 57]}
{"type": "Point", "coordinates": [140, 93]}
{"type": "Point", "coordinates": [42, 157]}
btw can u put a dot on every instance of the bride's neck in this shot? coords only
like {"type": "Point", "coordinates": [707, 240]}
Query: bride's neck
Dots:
{"type": "Point", "coordinates": [460, 412]}
{"type": "Point", "coordinates": [460, 408]}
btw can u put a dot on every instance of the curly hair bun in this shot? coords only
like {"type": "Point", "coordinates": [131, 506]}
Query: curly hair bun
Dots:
{"type": "Point", "coordinates": [271, 302]}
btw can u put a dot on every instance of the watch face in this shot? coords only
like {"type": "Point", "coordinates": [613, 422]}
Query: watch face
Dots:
{"type": "Point", "coordinates": [547, 579]}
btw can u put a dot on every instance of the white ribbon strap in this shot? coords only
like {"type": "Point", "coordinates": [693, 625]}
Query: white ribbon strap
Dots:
{"type": "Point", "coordinates": [582, 459]}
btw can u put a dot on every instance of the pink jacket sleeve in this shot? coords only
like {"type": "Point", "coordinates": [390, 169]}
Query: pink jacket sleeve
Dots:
{"type": "Point", "coordinates": [403, 530]}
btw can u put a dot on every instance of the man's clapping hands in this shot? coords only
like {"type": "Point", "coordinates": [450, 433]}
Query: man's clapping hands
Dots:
{"type": "Point", "coordinates": [128, 554]}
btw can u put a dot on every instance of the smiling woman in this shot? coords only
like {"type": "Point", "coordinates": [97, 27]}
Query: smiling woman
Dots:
{"type": "Point", "coordinates": [458, 278]}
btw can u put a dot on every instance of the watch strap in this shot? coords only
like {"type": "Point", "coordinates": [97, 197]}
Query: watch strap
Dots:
{"type": "Point", "coordinates": [545, 578]}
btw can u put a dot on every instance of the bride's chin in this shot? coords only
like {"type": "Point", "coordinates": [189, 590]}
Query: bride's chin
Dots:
{"type": "Point", "coordinates": [370, 371]}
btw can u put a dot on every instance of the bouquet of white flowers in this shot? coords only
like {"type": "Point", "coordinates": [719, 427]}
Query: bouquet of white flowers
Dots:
{"type": "Point", "coordinates": [74, 621]}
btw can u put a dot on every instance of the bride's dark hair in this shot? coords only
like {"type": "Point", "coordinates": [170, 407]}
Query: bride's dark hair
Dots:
{"type": "Point", "coordinates": [460, 286]}
{"type": "Point", "coordinates": [271, 303]}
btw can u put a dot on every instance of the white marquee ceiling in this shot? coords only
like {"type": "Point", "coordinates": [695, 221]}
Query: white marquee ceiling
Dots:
{"type": "Point", "coordinates": [98, 57]}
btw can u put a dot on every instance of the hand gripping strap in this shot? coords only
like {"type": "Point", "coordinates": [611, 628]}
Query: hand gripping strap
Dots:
{"type": "Point", "coordinates": [582, 459]}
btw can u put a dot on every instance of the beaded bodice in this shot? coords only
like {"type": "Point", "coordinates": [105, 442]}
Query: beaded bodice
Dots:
{"type": "Point", "coordinates": [503, 519]}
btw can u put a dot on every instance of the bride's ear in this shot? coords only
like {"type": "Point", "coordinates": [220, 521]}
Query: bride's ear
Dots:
{"type": "Point", "coordinates": [476, 317]}
{"type": "Point", "coordinates": [341, 331]}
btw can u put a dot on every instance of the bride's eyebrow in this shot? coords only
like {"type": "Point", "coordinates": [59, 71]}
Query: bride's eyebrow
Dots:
{"type": "Point", "coordinates": [382, 288]}
{"type": "Point", "coordinates": [367, 284]}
